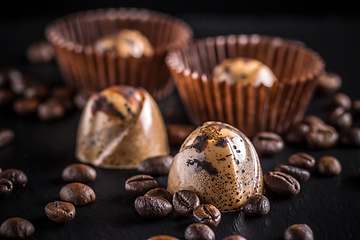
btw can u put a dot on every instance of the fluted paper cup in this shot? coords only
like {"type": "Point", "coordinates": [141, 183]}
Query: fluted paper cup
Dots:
{"type": "Point", "coordinates": [250, 108]}
{"type": "Point", "coordinates": [73, 37]}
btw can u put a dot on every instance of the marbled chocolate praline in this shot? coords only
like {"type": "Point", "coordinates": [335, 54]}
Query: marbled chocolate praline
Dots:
{"type": "Point", "coordinates": [219, 164]}
{"type": "Point", "coordinates": [120, 127]}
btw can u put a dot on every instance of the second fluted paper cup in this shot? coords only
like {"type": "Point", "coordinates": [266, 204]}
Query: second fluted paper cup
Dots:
{"type": "Point", "coordinates": [250, 108]}
{"type": "Point", "coordinates": [73, 37]}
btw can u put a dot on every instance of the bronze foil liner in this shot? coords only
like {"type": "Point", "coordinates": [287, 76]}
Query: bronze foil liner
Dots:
{"type": "Point", "coordinates": [74, 35]}
{"type": "Point", "coordinates": [251, 109]}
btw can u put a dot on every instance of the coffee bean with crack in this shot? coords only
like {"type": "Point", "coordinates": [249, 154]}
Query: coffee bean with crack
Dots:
{"type": "Point", "coordinates": [342, 100]}
{"type": "Point", "coordinates": [296, 134]}
{"type": "Point", "coordinates": [159, 192]}
{"type": "Point", "coordinates": [321, 136]}
{"type": "Point", "coordinates": [152, 207]}
{"type": "Point", "coordinates": [268, 143]}
{"type": "Point", "coordinates": [257, 205]}
{"type": "Point", "coordinates": [139, 184]}
{"type": "Point", "coordinates": [282, 184]}
{"type": "Point", "coordinates": [302, 160]}
{"type": "Point", "coordinates": [340, 118]}
{"type": "Point", "coordinates": [16, 176]}
{"type": "Point", "coordinates": [300, 174]}
{"type": "Point", "coordinates": [60, 212]}
{"type": "Point", "coordinates": [207, 214]}
{"type": "Point", "coordinates": [184, 202]}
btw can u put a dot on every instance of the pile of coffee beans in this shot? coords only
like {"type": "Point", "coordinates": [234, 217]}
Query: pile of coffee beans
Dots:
{"type": "Point", "coordinates": [10, 179]}
{"type": "Point", "coordinates": [76, 193]}
{"type": "Point", "coordinates": [27, 96]}
{"type": "Point", "coordinates": [337, 127]}
{"type": "Point", "coordinates": [14, 228]}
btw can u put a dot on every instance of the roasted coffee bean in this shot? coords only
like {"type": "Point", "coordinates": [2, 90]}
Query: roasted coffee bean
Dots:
{"type": "Point", "coordinates": [184, 202]}
{"type": "Point", "coordinates": [81, 98]}
{"type": "Point", "coordinates": [356, 106]}
{"type": "Point", "coordinates": [24, 107]}
{"type": "Point", "coordinates": [321, 136]}
{"type": "Point", "coordinates": [6, 187]}
{"type": "Point", "coordinates": [163, 237]}
{"type": "Point", "coordinates": [64, 95]}
{"type": "Point", "coordinates": [159, 192]}
{"type": "Point", "coordinates": [257, 205]}
{"type": "Point", "coordinates": [197, 231]}
{"type": "Point", "coordinates": [139, 184]}
{"type": "Point", "coordinates": [7, 97]}
{"type": "Point", "coordinates": [282, 184]}
{"type": "Point", "coordinates": [302, 160]}
{"type": "Point", "coordinates": [156, 166]}
{"type": "Point", "coordinates": [37, 91]}
{"type": "Point", "coordinates": [268, 143]}
{"type": "Point", "coordinates": [16, 228]}
{"type": "Point", "coordinates": [299, 232]}
{"type": "Point", "coordinates": [50, 110]}
{"type": "Point", "coordinates": [60, 212]}
{"type": "Point", "coordinates": [78, 194]}
{"type": "Point", "coordinates": [297, 133]}
{"type": "Point", "coordinates": [351, 137]}
{"type": "Point", "coordinates": [234, 237]}
{"type": "Point", "coordinates": [39, 52]}
{"type": "Point", "coordinates": [300, 174]}
{"type": "Point", "coordinates": [20, 82]}
{"type": "Point", "coordinates": [79, 172]}
{"type": "Point", "coordinates": [6, 137]}
{"type": "Point", "coordinates": [312, 119]}
{"type": "Point", "coordinates": [339, 118]}
{"type": "Point", "coordinates": [177, 133]}
{"type": "Point", "coordinates": [328, 83]}
{"type": "Point", "coordinates": [152, 207]}
{"type": "Point", "coordinates": [328, 165]}
{"type": "Point", "coordinates": [17, 177]}
{"type": "Point", "coordinates": [207, 214]}
{"type": "Point", "coordinates": [341, 100]}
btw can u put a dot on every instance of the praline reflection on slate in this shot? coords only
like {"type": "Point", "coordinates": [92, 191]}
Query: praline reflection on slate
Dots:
{"type": "Point", "coordinates": [219, 164]}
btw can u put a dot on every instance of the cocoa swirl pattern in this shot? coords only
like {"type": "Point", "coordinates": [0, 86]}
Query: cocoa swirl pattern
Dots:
{"type": "Point", "coordinates": [219, 164]}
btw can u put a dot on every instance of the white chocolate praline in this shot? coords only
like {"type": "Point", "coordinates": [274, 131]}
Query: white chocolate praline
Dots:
{"type": "Point", "coordinates": [120, 127]}
{"type": "Point", "coordinates": [245, 71]}
{"type": "Point", "coordinates": [218, 163]}
{"type": "Point", "coordinates": [126, 43]}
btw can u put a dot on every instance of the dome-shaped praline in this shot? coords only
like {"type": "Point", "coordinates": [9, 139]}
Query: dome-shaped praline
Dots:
{"type": "Point", "coordinates": [119, 127]}
{"type": "Point", "coordinates": [220, 164]}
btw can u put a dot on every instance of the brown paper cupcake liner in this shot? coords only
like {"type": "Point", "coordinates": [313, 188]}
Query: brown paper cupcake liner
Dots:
{"type": "Point", "coordinates": [74, 35]}
{"type": "Point", "coordinates": [249, 108]}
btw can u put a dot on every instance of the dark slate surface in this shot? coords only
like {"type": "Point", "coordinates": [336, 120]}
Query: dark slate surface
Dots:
{"type": "Point", "coordinates": [329, 205]}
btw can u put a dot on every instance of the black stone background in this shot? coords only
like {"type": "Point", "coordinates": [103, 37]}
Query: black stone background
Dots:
{"type": "Point", "coordinates": [329, 205]}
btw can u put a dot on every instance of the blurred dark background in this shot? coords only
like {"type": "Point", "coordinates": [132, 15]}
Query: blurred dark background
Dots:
{"type": "Point", "coordinates": [15, 10]}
